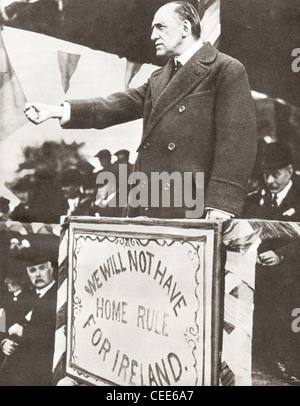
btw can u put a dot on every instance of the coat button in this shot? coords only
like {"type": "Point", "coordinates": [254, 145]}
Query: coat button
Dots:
{"type": "Point", "coordinates": [181, 109]}
{"type": "Point", "coordinates": [171, 146]}
{"type": "Point", "coordinates": [146, 145]}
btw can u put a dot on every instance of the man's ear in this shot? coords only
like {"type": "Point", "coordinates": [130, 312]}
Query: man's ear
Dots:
{"type": "Point", "coordinates": [50, 267]}
{"type": "Point", "coordinates": [187, 28]}
{"type": "Point", "coordinates": [290, 169]}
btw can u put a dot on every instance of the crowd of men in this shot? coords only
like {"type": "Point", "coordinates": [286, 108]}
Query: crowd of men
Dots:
{"type": "Point", "coordinates": [30, 320]}
{"type": "Point", "coordinates": [45, 197]}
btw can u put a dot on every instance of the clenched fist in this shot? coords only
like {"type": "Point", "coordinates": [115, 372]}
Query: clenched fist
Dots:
{"type": "Point", "coordinates": [37, 113]}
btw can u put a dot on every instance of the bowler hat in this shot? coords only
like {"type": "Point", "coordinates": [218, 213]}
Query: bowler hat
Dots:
{"type": "Point", "coordinates": [34, 249]}
{"type": "Point", "coordinates": [276, 155]}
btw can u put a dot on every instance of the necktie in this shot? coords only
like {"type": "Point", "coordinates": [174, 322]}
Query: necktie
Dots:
{"type": "Point", "coordinates": [176, 67]}
{"type": "Point", "coordinates": [274, 203]}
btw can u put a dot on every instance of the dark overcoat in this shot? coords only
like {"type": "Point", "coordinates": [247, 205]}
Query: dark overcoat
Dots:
{"type": "Point", "coordinates": [202, 120]}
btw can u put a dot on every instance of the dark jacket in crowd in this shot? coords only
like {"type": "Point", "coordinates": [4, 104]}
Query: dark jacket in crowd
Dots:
{"type": "Point", "coordinates": [16, 307]}
{"type": "Point", "coordinates": [256, 206]}
{"type": "Point", "coordinates": [31, 363]}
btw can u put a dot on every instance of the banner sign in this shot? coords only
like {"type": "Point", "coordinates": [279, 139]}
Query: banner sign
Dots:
{"type": "Point", "coordinates": [141, 304]}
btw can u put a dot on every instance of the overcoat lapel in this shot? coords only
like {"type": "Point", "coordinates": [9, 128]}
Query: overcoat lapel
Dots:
{"type": "Point", "coordinates": [166, 93]}
{"type": "Point", "coordinates": [288, 201]}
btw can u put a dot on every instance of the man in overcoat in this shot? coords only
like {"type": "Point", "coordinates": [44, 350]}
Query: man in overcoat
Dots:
{"type": "Point", "coordinates": [201, 119]}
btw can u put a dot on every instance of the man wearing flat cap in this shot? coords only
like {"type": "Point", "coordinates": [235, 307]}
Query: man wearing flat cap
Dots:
{"type": "Point", "coordinates": [123, 158]}
{"type": "Point", "coordinates": [107, 189]}
{"type": "Point", "coordinates": [29, 346]}
{"type": "Point", "coordinates": [279, 197]}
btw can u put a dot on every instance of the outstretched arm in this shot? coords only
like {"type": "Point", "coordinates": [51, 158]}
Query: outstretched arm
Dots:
{"type": "Point", "coordinates": [98, 113]}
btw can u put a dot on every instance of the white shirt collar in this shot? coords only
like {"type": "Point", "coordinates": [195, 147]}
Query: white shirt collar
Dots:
{"type": "Point", "coordinates": [186, 55]}
{"type": "Point", "coordinates": [282, 194]}
{"type": "Point", "coordinates": [43, 291]}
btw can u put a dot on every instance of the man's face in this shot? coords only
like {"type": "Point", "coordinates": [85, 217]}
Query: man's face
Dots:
{"type": "Point", "coordinates": [105, 161]}
{"type": "Point", "coordinates": [167, 32]}
{"type": "Point", "coordinates": [41, 275]}
{"type": "Point", "coordinates": [277, 180]}
{"type": "Point", "coordinates": [70, 191]}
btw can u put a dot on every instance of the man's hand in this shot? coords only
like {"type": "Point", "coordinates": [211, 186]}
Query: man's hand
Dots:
{"type": "Point", "coordinates": [16, 329]}
{"type": "Point", "coordinates": [269, 258]}
{"type": "Point", "coordinates": [37, 113]}
{"type": "Point", "coordinates": [8, 346]}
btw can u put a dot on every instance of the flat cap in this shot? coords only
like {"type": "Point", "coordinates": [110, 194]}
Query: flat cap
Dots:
{"type": "Point", "coordinates": [103, 153]}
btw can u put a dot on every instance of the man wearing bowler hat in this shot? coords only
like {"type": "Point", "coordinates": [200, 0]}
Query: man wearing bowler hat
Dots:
{"type": "Point", "coordinates": [275, 346]}
{"type": "Point", "coordinates": [279, 196]}
{"type": "Point", "coordinates": [29, 345]}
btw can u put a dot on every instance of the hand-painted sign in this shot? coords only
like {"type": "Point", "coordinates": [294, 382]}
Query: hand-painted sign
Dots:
{"type": "Point", "coordinates": [140, 306]}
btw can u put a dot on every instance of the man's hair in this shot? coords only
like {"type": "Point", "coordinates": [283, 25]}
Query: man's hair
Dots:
{"type": "Point", "coordinates": [186, 11]}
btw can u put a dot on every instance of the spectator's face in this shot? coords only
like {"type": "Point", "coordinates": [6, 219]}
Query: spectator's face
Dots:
{"type": "Point", "coordinates": [167, 32]}
{"type": "Point", "coordinates": [105, 161]}
{"type": "Point", "coordinates": [41, 275]}
{"type": "Point", "coordinates": [277, 180]}
{"type": "Point", "coordinates": [70, 191]}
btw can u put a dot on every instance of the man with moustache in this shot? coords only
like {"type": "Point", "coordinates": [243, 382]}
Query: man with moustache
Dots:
{"type": "Point", "coordinates": [199, 118]}
{"type": "Point", "coordinates": [275, 345]}
{"type": "Point", "coordinates": [29, 346]}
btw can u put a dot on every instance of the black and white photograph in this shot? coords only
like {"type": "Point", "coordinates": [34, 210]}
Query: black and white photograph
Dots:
{"type": "Point", "coordinates": [149, 195]}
